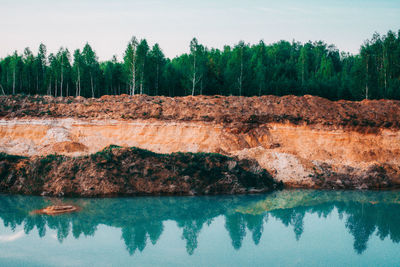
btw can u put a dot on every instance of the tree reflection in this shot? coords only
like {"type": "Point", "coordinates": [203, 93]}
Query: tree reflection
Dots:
{"type": "Point", "coordinates": [141, 220]}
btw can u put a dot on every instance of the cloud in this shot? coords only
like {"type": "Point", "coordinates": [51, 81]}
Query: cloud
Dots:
{"type": "Point", "coordinates": [13, 237]}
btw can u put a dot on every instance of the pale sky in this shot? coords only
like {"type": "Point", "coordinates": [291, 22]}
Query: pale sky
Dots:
{"type": "Point", "coordinates": [108, 25]}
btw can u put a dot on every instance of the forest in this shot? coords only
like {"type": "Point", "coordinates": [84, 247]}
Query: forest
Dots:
{"type": "Point", "coordinates": [281, 68]}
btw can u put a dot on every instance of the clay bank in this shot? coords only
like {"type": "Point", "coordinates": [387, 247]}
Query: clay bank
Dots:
{"type": "Point", "coordinates": [304, 141]}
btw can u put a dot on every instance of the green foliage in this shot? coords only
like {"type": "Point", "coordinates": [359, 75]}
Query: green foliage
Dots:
{"type": "Point", "coordinates": [280, 68]}
{"type": "Point", "coordinates": [11, 158]}
{"type": "Point", "coordinates": [145, 153]}
{"type": "Point", "coordinates": [51, 158]}
{"type": "Point", "coordinates": [105, 153]}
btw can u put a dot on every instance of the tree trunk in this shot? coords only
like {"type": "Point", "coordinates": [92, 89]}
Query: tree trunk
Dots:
{"type": "Point", "coordinates": [91, 82]}
{"type": "Point", "coordinates": [141, 84]}
{"type": "Point", "coordinates": [79, 82]}
{"type": "Point", "coordinates": [55, 87]}
{"type": "Point", "coordinates": [37, 82]}
{"type": "Point", "coordinates": [132, 91]}
{"type": "Point", "coordinates": [49, 88]}
{"type": "Point", "coordinates": [366, 80]}
{"type": "Point", "coordinates": [385, 67]}
{"type": "Point", "coordinates": [142, 78]}
{"type": "Point", "coordinates": [158, 69]}
{"type": "Point", "coordinates": [241, 72]}
{"type": "Point", "coordinates": [14, 81]}
{"type": "Point", "coordinates": [62, 76]}
{"type": "Point", "coordinates": [29, 83]}
{"type": "Point", "coordinates": [2, 90]}
{"type": "Point", "coordinates": [303, 71]}
{"type": "Point", "coordinates": [194, 73]}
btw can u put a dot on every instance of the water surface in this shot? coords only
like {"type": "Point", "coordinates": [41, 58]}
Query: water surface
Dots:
{"type": "Point", "coordinates": [286, 228]}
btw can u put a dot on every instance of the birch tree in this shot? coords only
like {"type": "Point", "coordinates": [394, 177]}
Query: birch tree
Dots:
{"type": "Point", "coordinates": [130, 58]}
{"type": "Point", "coordinates": [14, 67]}
{"type": "Point", "coordinates": [196, 73]}
{"type": "Point", "coordinates": [77, 68]}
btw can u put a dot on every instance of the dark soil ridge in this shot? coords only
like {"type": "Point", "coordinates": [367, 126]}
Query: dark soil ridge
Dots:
{"type": "Point", "coordinates": [116, 171]}
{"type": "Point", "coordinates": [243, 113]}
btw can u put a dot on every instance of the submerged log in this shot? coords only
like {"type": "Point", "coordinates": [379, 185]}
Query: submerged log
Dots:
{"type": "Point", "coordinates": [56, 210]}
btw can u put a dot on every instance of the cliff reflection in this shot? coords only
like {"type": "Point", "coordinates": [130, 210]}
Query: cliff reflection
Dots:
{"type": "Point", "coordinates": [141, 220]}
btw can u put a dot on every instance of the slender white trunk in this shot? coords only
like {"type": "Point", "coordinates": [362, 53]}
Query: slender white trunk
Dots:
{"type": "Point", "coordinates": [194, 73]}
{"type": "Point", "coordinates": [2, 90]}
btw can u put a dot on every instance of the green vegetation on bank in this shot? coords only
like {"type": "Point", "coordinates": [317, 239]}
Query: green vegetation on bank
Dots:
{"type": "Point", "coordinates": [281, 68]}
{"type": "Point", "coordinates": [11, 158]}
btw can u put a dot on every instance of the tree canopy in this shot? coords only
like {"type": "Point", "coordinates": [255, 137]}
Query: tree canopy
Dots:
{"type": "Point", "coordinates": [280, 68]}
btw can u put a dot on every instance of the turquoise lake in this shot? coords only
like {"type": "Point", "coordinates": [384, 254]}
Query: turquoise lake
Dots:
{"type": "Point", "coordinates": [284, 228]}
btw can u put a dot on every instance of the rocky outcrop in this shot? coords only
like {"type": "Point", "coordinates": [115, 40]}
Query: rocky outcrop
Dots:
{"type": "Point", "coordinates": [132, 171]}
{"type": "Point", "coordinates": [303, 141]}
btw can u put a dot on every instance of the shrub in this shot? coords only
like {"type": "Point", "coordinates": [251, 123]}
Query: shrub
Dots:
{"type": "Point", "coordinates": [51, 158]}
{"type": "Point", "coordinates": [12, 158]}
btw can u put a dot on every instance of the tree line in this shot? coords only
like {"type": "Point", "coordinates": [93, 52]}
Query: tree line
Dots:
{"type": "Point", "coordinates": [280, 68]}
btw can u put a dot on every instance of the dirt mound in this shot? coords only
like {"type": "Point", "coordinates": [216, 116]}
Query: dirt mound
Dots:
{"type": "Point", "coordinates": [68, 147]}
{"type": "Point", "coordinates": [132, 171]}
{"type": "Point", "coordinates": [240, 112]}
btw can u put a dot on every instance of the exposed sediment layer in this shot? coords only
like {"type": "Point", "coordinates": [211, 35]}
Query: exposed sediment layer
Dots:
{"type": "Point", "coordinates": [303, 141]}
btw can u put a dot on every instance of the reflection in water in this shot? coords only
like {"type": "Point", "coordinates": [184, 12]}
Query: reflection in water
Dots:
{"type": "Point", "coordinates": [141, 219]}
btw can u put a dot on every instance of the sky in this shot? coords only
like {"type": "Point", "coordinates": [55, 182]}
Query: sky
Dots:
{"type": "Point", "coordinates": [108, 25]}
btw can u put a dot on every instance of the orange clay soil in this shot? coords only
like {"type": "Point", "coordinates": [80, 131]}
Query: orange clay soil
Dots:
{"type": "Point", "coordinates": [242, 113]}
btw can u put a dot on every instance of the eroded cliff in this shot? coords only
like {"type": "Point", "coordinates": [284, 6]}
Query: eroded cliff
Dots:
{"type": "Point", "coordinates": [303, 141]}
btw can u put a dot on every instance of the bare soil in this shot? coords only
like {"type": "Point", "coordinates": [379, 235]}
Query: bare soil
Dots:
{"type": "Point", "coordinates": [242, 113]}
